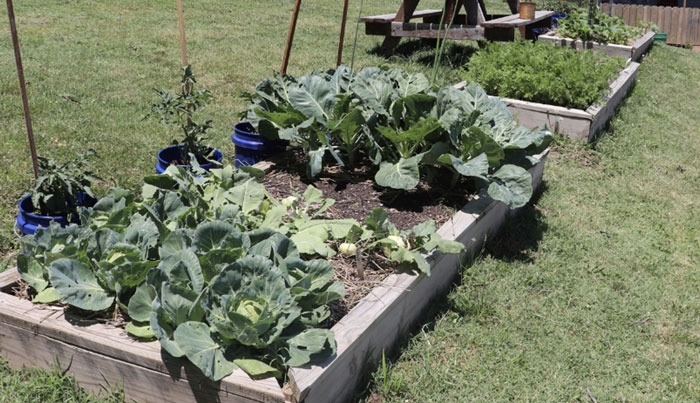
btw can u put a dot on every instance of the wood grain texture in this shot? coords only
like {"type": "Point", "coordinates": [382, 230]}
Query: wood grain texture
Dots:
{"type": "Point", "coordinates": [390, 17]}
{"type": "Point", "coordinates": [624, 51]}
{"type": "Point", "coordinates": [426, 30]}
{"type": "Point", "coordinates": [512, 21]}
{"type": "Point", "coordinates": [382, 316]}
{"type": "Point", "coordinates": [8, 277]}
{"type": "Point", "coordinates": [62, 337]}
{"type": "Point", "coordinates": [602, 113]}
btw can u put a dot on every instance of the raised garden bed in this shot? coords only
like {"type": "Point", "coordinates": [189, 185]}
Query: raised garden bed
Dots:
{"type": "Point", "coordinates": [574, 123]}
{"type": "Point", "coordinates": [98, 354]}
{"type": "Point", "coordinates": [631, 52]}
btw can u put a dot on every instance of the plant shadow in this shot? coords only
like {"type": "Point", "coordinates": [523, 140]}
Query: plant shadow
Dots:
{"type": "Point", "coordinates": [521, 234]}
{"type": "Point", "coordinates": [422, 51]}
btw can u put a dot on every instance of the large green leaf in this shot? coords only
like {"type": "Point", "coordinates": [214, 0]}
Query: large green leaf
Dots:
{"type": "Point", "coordinates": [248, 195]}
{"type": "Point", "coordinates": [195, 340]}
{"type": "Point", "coordinates": [140, 304]}
{"type": "Point", "coordinates": [32, 272]}
{"type": "Point", "coordinates": [78, 286]}
{"type": "Point", "coordinates": [512, 185]}
{"type": "Point", "coordinates": [476, 167]}
{"type": "Point", "coordinates": [404, 174]}
{"type": "Point", "coordinates": [314, 97]}
{"type": "Point", "coordinates": [47, 296]}
{"type": "Point", "coordinates": [256, 369]}
{"type": "Point", "coordinates": [311, 344]}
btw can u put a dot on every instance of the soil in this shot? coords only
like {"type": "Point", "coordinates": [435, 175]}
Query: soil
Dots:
{"type": "Point", "coordinates": [355, 195]}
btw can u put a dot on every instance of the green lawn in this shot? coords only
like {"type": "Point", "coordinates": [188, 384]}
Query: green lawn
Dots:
{"type": "Point", "coordinates": [591, 294]}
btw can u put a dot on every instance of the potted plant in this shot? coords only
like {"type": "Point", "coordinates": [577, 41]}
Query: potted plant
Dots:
{"type": "Point", "coordinates": [58, 192]}
{"type": "Point", "coordinates": [178, 110]}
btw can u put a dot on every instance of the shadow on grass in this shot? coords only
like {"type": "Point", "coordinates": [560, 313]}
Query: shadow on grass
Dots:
{"type": "Point", "coordinates": [520, 235]}
{"type": "Point", "coordinates": [422, 51]}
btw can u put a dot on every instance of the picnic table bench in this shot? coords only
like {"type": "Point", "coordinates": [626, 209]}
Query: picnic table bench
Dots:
{"type": "Point", "coordinates": [474, 24]}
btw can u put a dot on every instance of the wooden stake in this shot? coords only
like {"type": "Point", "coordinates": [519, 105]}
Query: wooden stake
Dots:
{"type": "Point", "coordinates": [342, 33]}
{"type": "Point", "coordinates": [181, 24]}
{"type": "Point", "coordinates": [290, 36]}
{"type": "Point", "coordinates": [22, 87]}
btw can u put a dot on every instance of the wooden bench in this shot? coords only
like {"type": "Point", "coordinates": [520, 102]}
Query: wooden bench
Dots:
{"type": "Point", "coordinates": [390, 17]}
{"type": "Point", "coordinates": [503, 28]}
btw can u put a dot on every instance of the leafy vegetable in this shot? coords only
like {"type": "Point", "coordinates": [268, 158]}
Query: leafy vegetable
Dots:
{"type": "Point", "coordinates": [61, 188]}
{"type": "Point", "coordinates": [399, 123]}
{"type": "Point", "coordinates": [212, 266]}
{"type": "Point", "coordinates": [538, 72]}
{"type": "Point", "coordinates": [601, 28]}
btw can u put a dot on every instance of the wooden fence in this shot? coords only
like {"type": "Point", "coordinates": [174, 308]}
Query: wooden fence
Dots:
{"type": "Point", "coordinates": [681, 24]}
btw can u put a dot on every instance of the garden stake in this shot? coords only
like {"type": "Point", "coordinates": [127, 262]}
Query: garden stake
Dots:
{"type": "Point", "coordinates": [290, 36]}
{"type": "Point", "coordinates": [181, 25]}
{"type": "Point", "coordinates": [22, 87]}
{"type": "Point", "coordinates": [357, 29]}
{"type": "Point", "coordinates": [342, 33]}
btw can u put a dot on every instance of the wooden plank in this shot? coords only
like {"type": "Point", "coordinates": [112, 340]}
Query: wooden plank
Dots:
{"type": "Point", "coordinates": [694, 27]}
{"type": "Point", "coordinates": [390, 17]}
{"type": "Point", "coordinates": [602, 113]}
{"type": "Point", "coordinates": [515, 21]}
{"type": "Point", "coordinates": [112, 344]}
{"type": "Point", "coordinates": [427, 30]}
{"type": "Point", "coordinates": [8, 277]}
{"type": "Point", "coordinates": [641, 45]}
{"type": "Point", "coordinates": [378, 320]}
{"type": "Point", "coordinates": [654, 15]}
{"type": "Point", "coordinates": [668, 25]}
{"type": "Point", "coordinates": [623, 51]}
{"type": "Point", "coordinates": [23, 347]}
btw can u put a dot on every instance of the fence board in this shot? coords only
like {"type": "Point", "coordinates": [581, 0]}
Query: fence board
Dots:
{"type": "Point", "coordinates": [681, 25]}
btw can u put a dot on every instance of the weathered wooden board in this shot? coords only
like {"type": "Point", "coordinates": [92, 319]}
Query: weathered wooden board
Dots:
{"type": "Point", "coordinates": [99, 354]}
{"type": "Point", "coordinates": [632, 53]}
{"type": "Point", "coordinates": [381, 317]}
{"type": "Point", "coordinates": [390, 17]}
{"type": "Point", "coordinates": [515, 20]}
{"type": "Point", "coordinates": [602, 113]}
{"type": "Point", "coordinates": [427, 30]}
{"type": "Point", "coordinates": [574, 123]}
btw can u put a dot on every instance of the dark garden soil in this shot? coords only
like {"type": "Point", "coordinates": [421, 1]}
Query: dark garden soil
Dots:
{"type": "Point", "coordinates": [355, 195]}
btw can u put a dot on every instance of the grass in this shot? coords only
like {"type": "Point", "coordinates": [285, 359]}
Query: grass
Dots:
{"type": "Point", "coordinates": [592, 293]}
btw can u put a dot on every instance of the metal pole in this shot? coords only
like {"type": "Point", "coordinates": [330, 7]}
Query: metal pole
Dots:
{"type": "Point", "coordinates": [22, 87]}
{"type": "Point", "coordinates": [342, 33]}
{"type": "Point", "coordinates": [181, 25]}
{"type": "Point", "coordinates": [290, 36]}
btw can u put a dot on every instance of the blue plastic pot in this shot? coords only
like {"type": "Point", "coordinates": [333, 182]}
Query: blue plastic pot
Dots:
{"type": "Point", "coordinates": [28, 221]}
{"type": "Point", "coordinates": [174, 153]}
{"type": "Point", "coordinates": [556, 17]}
{"type": "Point", "coordinates": [251, 147]}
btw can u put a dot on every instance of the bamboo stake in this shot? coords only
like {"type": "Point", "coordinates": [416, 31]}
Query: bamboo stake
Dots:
{"type": "Point", "coordinates": [342, 33]}
{"type": "Point", "coordinates": [290, 36]}
{"type": "Point", "coordinates": [181, 25]}
{"type": "Point", "coordinates": [22, 87]}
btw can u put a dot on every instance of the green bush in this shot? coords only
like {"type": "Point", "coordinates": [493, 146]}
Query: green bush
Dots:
{"type": "Point", "coordinates": [543, 73]}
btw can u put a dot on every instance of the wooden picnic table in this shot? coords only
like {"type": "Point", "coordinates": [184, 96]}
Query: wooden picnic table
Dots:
{"type": "Point", "coordinates": [474, 24]}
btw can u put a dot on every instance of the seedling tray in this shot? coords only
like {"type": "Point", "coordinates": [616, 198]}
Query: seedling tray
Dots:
{"type": "Point", "coordinates": [98, 354]}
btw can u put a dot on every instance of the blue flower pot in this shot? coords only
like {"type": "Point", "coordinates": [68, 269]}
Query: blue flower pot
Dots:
{"type": "Point", "coordinates": [251, 147]}
{"type": "Point", "coordinates": [174, 153]}
{"type": "Point", "coordinates": [28, 221]}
